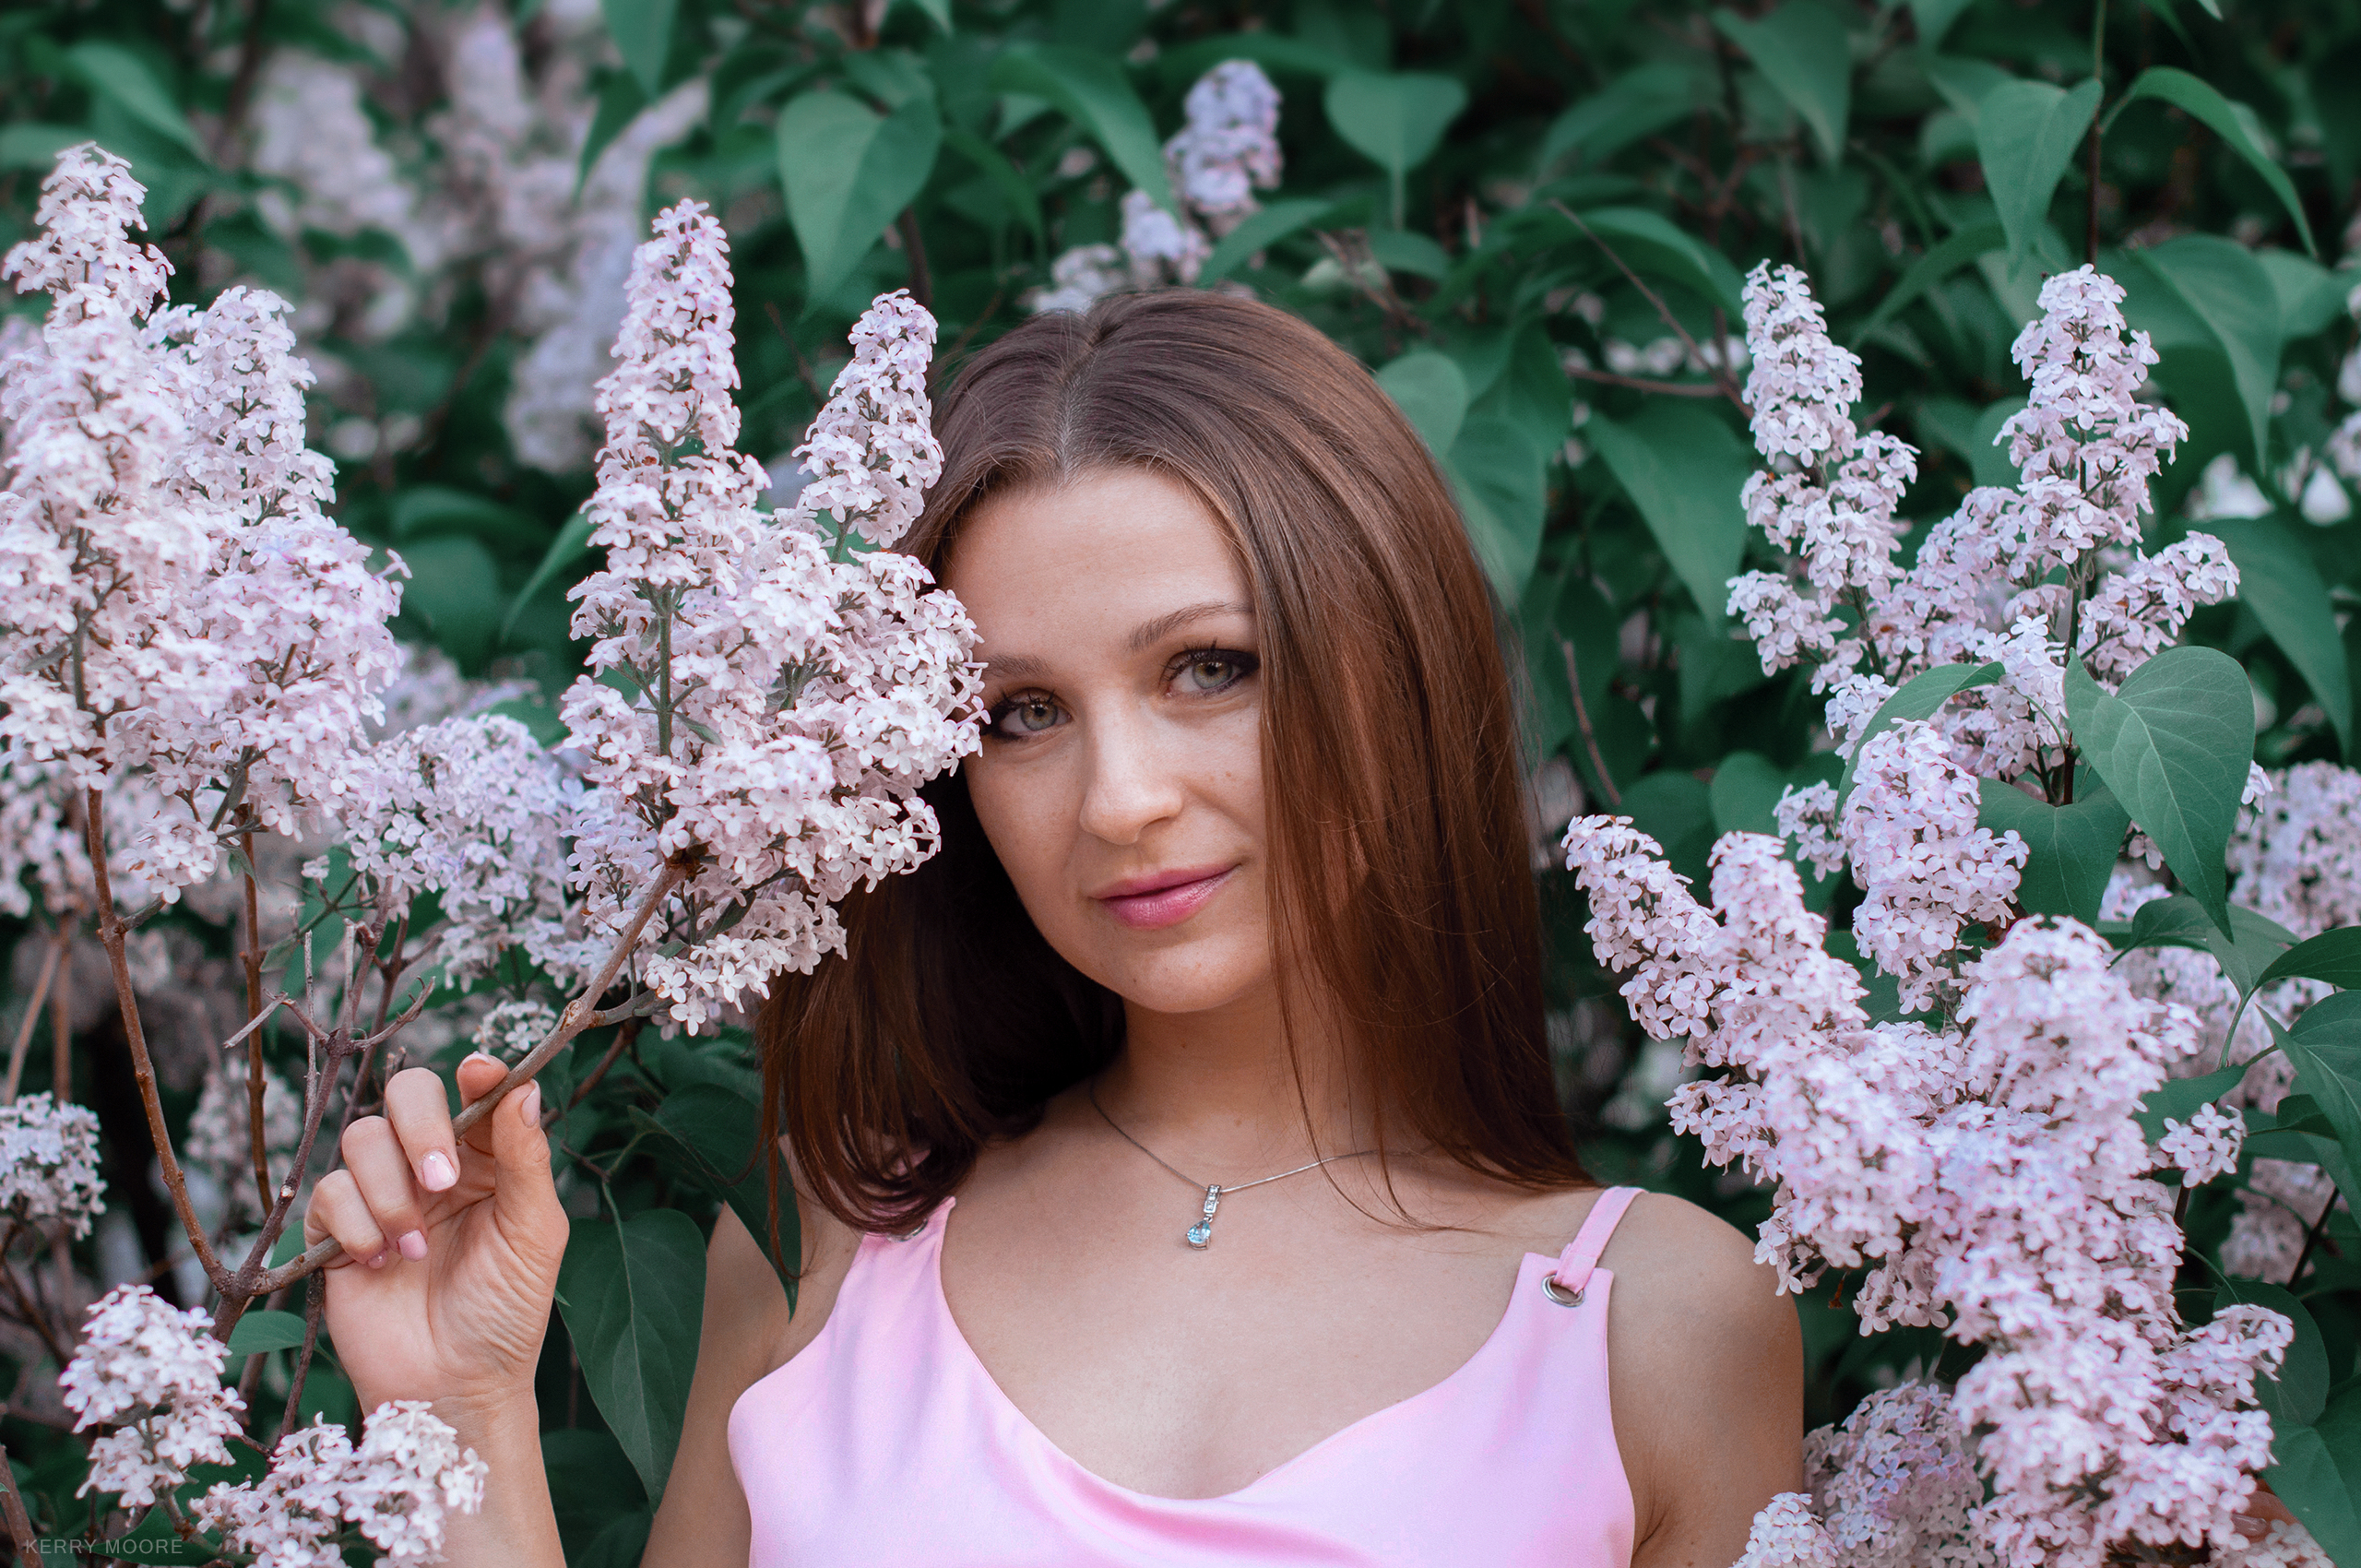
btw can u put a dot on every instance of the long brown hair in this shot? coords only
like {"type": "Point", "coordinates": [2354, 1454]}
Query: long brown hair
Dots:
{"type": "Point", "coordinates": [1391, 760]}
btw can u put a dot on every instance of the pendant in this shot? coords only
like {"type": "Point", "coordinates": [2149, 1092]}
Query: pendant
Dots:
{"type": "Point", "coordinates": [1202, 1232]}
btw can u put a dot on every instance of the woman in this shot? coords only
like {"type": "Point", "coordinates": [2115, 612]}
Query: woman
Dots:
{"type": "Point", "coordinates": [1180, 1173]}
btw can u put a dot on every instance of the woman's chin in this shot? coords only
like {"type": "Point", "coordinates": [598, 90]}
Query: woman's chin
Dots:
{"type": "Point", "coordinates": [1195, 977]}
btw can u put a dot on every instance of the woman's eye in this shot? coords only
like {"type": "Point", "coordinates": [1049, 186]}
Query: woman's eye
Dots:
{"type": "Point", "coordinates": [1214, 670]}
{"type": "Point", "coordinates": [1026, 716]}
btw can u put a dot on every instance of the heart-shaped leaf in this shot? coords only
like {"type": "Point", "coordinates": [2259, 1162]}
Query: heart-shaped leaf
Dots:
{"type": "Point", "coordinates": [633, 1299]}
{"type": "Point", "coordinates": [848, 172]}
{"type": "Point", "coordinates": [1396, 121]}
{"type": "Point", "coordinates": [2025, 135]}
{"type": "Point", "coordinates": [2070, 849]}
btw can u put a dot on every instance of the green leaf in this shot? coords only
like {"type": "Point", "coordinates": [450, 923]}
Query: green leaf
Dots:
{"type": "Point", "coordinates": [1918, 698]}
{"type": "Point", "coordinates": [2332, 956]}
{"type": "Point", "coordinates": [2244, 952]}
{"type": "Point", "coordinates": [1396, 121]}
{"type": "Point", "coordinates": [2070, 849]}
{"type": "Point", "coordinates": [1682, 468]}
{"type": "Point", "coordinates": [643, 33]}
{"type": "Point", "coordinates": [2230, 295]}
{"type": "Point", "coordinates": [2174, 744]}
{"type": "Point", "coordinates": [2318, 1475]}
{"type": "Point", "coordinates": [937, 11]}
{"type": "Point", "coordinates": [1802, 51]}
{"type": "Point", "coordinates": [1638, 104]}
{"type": "Point", "coordinates": [1431, 391]}
{"type": "Point", "coordinates": [591, 1484]}
{"type": "Point", "coordinates": [570, 546]}
{"type": "Point", "coordinates": [37, 145]}
{"type": "Point", "coordinates": [1941, 261]}
{"type": "Point", "coordinates": [2328, 1068]}
{"type": "Point", "coordinates": [716, 1135]}
{"type": "Point", "coordinates": [621, 98]}
{"type": "Point", "coordinates": [2278, 581]}
{"type": "Point", "coordinates": [1261, 231]}
{"type": "Point", "coordinates": [454, 588]}
{"type": "Point", "coordinates": [2205, 103]}
{"type": "Point", "coordinates": [2297, 1394]}
{"type": "Point", "coordinates": [2179, 1098]}
{"type": "Point", "coordinates": [261, 1330]}
{"type": "Point", "coordinates": [849, 171]}
{"type": "Point", "coordinates": [1675, 809]}
{"type": "Point", "coordinates": [1933, 19]}
{"type": "Point", "coordinates": [1092, 90]}
{"type": "Point", "coordinates": [124, 79]}
{"type": "Point", "coordinates": [1652, 243]}
{"type": "Point", "coordinates": [2025, 135]}
{"type": "Point", "coordinates": [1500, 476]}
{"type": "Point", "coordinates": [633, 1299]}
{"type": "Point", "coordinates": [1005, 176]}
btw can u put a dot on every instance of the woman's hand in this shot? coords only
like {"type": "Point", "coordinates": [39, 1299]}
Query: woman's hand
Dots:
{"type": "Point", "coordinates": [451, 1248]}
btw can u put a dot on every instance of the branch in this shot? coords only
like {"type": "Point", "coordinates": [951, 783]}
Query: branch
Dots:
{"type": "Point", "coordinates": [32, 1018]}
{"type": "Point", "coordinates": [35, 1319]}
{"type": "Point", "coordinates": [625, 1033]}
{"type": "Point", "coordinates": [143, 1067]}
{"type": "Point", "coordinates": [1670, 388]}
{"type": "Point", "coordinates": [1721, 377]}
{"type": "Point", "coordinates": [256, 1081]}
{"type": "Point", "coordinates": [315, 1300]}
{"type": "Point", "coordinates": [12, 1506]}
{"type": "Point", "coordinates": [573, 1021]}
{"type": "Point", "coordinates": [1582, 722]}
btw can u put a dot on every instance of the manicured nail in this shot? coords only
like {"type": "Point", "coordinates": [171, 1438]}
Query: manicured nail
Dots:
{"type": "Point", "coordinates": [436, 1173]}
{"type": "Point", "coordinates": [413, 1245]}
{"type": "Point", "coordinates": [379, 1261]}
{"type": "Point", "coordinates": [529, 1112]}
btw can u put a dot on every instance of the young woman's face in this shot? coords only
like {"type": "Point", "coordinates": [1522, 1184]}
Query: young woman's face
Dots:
{"type": "Point", "coordinates": [1120, 782]}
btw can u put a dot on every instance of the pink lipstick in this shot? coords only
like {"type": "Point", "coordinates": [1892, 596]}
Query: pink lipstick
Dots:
{"type": "Point", "coordinates": [1163, 898]}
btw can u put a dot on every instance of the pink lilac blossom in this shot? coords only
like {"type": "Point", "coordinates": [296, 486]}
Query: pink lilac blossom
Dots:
{"type": "Point", "coordinates": [2206, 1146]}
{"type": "Point", "coordinates": [397, 1488]}
{"type": "Point", "coordinates": [1230, 147]}
{"type": "Point", "coordinates": [1787, 1534]}
{"type": "Point", "coordinates": [2279, 1203]}
{"type": "Point", "coordinates": [514, 1028]}
{"type": "Point", "coordinates": [470, 810]}
{"type": "Point", "coordinates": [774, 696]}
{"type": "Point", "coordinates": [1986, 1174]}
{"type": "Point", "coordinates": [49, 1163]}
{"type": "Point", "coordinates": [221, 1141]}
{"type": "Point", "coordinates": [1895, 1484]}
{"type": "Point", "coordinates": [1927, 870]}
{"type": "Point", "coordinates": [2283, 1544]}
{"type": "Point", "coordinates": [153, 1373]}
{"type": "Point", "coordinates": [1162, 247]}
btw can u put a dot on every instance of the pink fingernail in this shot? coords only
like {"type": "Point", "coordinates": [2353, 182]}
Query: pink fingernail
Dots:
{"type": "Point", "coordinates": [436, 1173]}
{"type": "Point", "coordinates": [530, 1112]}
{"type": "Point", "coordinates": [379, 1261]}
{"type": "Point", "coordinates": [413, 1245]}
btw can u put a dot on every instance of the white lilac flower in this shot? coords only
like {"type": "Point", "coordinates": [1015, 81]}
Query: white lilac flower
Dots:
{"type": "Point", "coordinates": [49, 1163]}
{"type": "Point", "coordinates": [1079, 276]}
{"type": "Point", "coordinates": [512, 1028]}
{"type": "Point", "coordinates": [1895, 1484]}
{"type": "Point", "coordinates": [2206, 1146]}
{"type": "Point", "coordinates": [468, 809]}
{"type": "Point", "coordinates": [153, 1373]}
{"type": "Point", "coordinates": [1230, 147]}
{"type": "Point", "coordinates": [1787, 1534]}
{"type": "Point", "coordinates": [311, 132]}
{"type": "Point", "coordinates": [1161, 247]}
{"type": "Point", "coordinates": [395, 1490]}
{"type": "Point", "coordinates": [221, 1137]}
{"type": "Point", "coordinates": [788, 692]}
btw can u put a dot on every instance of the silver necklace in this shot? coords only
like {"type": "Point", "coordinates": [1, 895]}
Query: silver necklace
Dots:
{"type": "Point", "coordinates": [1201, 1234]}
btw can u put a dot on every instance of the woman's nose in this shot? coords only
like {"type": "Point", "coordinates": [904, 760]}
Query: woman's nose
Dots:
{"type": "Point", "coordinates": [1135, 779]}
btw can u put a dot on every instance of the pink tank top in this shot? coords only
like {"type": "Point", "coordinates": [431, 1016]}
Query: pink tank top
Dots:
{"type": "Point", "coordinates": [885, 1442]}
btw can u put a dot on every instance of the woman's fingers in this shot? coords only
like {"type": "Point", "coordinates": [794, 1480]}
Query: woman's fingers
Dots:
{"type": "Point", "coordinates": [420, 1115]}
{"type": "Point", "coordinates": [375, 1159]}
{"type": "Point", "coordinates": [338, 1209]}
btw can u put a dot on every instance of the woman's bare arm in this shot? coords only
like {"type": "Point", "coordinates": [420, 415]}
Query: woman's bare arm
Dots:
{"type": "Point", "coordinates": [747, 1334]}
{"type": "Point", "coordinates": [1708, 1384]}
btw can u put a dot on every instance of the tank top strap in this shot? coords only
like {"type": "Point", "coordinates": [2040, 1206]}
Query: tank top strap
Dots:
{"type": "Point", "coordinates": [1581, 1253]}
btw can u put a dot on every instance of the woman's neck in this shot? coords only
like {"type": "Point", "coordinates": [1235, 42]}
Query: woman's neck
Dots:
{"type": "Point", "coordinates": [1218, 1092]}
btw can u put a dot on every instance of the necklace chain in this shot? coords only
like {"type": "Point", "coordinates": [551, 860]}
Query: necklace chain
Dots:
{"type": "Point", "coordinates": [1201, 1233]}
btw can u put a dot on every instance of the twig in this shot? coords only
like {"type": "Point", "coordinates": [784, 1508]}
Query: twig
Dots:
{"type": "Point", "coordinates": [572, 1022]}
{"type": "Point", "coordinates": [1672, 389]}
{"type": "Point", "coordinates": [32, 1018]}
{"type": "Point", "coordinates": [315, 1300]}
{"type": "Point", "coordinates": [35, 1319]}
{"type": "Point", "coordinates": [258, 1146]}
{"type": "Point", "coordinates": [1582, 722]}
{"type": "Point", "coordinates": [1721, 377]}
{"type": "Point", "coordinates": [627, 1031]}
{"type": "Point", "coordinates": [914, 246]}
{"type": "Point", "coordinates": [2312, 1238]}
{"type": "Point", "coordinates": [20, 1525]}
{"type": "Point", "coordinates": [143, 1068]}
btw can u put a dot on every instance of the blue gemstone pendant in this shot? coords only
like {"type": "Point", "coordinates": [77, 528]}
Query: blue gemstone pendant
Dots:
{"type": "Point", "coordinates": [1202, 1234]}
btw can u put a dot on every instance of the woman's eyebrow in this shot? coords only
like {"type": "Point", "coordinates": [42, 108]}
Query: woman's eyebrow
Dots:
{"type": "Point", "coordinates": [1149, 632]}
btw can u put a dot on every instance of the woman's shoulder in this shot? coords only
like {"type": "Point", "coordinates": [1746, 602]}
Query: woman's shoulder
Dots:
{"type": "Point", "coordinates": [765, 1330]}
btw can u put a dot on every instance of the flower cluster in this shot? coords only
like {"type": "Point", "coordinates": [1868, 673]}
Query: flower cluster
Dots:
{"type": "Point", "coordinates": [220, 1135]}
{"type": "Point", "coordinates": [2003, 578]}
{"type": "Point", "coordinates": [1983, 1171]}
{"type": "Point", "coordinates": [788, 692]}
{"type": "Point", "coordinates": [186, 611]}
{"type": "Point", "coordinates": [1228, 150]}
{"type": "Point", "coordinates": [153, 1373]}
{"type": "Point", "coordinates": [514, 1028]}
{"type": "Point", "coordinates": [468, 810]}
{"type": "Point", "coordinates": [395, 1489]}
{"type": "Point", "coordinates": [49, 1163]}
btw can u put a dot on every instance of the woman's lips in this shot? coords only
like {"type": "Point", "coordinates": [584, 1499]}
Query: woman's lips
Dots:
{"type": "Point", "coordinates": [1153, 903]}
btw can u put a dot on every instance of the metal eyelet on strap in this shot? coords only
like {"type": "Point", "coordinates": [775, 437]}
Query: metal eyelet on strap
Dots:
{"type": "Point", "coordinates": [909, 1235]}
{"type": "Point", "coordinates": [1556, 1292]}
